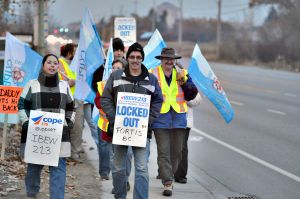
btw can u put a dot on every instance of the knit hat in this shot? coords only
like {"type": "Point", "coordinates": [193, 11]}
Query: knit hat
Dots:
{"type": "Point", "coordinates": [135, 47]}
{"type": "Point", "coordinates": [118, 44]}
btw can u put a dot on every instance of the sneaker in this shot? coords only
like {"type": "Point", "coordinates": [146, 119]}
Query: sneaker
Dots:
{"type": "Point", "coordinates": [104, 178]}
{"type": "Point", "coordinates": [31, 195]}
{"type": "Point", "coordinates": [181, 180]}
{"type": "Point", "coordinates": [168, 190]}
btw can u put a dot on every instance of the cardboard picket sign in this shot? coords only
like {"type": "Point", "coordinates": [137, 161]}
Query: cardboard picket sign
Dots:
{"type": "Point", "coordinates": [9, 98]}
{"type": "Point", "coordinates": [44, 138]}
{"type": "Point", "coordinates": [125, 29]}
{"type": "Point", "coordinates": [131, 121]}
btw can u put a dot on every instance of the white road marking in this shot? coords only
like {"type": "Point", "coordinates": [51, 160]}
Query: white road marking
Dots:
{"type": "Point", "coordinates": [237, 103]}
{"type": "Point", "coordinates": [276, 112]}
{"type": "Point", "coordinates": [290, 95]}
{"type": "Point", "coordinates": [195, 138]}
{"type": "Point", "coordinates": [249, 156]}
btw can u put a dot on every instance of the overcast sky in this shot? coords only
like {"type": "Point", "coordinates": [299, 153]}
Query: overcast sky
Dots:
{"type": "Point", "coordinates": [66, 11]}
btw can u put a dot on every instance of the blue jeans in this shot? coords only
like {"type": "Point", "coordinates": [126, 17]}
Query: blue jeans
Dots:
{"type": "Point", "coordinates": [87, 109]}
{"type": "Point", "coordinates": [105, 155]}
{"type": "Point", "coordinates": [141, 181]}
{"type": "Point", "coordinates": [57, 179]}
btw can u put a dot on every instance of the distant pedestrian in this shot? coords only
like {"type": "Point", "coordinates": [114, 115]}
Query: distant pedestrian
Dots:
{"type": "Point", "coordinates": [169, 129]}
{"type": "Point", "coordinates": [67, 53]}
{"type": "Point", "coordinates": [134, 79]}
{"type": "Point", "coordinates": [49, 94]}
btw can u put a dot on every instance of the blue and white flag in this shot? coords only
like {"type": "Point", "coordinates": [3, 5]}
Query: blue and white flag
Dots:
{"type": "Point", "coordinates": [206, 80]}
{"type": "Point", "coordinates": [87, 59]}
{"type": "Point", "coordinates": [21, 63]}
{"type": "Point", "coordinates": [108, 63]}
{"type": "Point", "coordinates": [152, 49]}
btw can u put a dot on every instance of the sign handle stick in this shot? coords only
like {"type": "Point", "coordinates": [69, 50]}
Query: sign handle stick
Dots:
{"type": "Point", "coordinates": [4, 136]}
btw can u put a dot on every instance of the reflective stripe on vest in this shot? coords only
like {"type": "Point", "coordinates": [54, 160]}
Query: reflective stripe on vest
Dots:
{"type": "Point", "coordinates": [173, 95]}
{"type": "Point", "coordinates": [67, 72]}
{"type": "Point", "coordinates": [102, 121]}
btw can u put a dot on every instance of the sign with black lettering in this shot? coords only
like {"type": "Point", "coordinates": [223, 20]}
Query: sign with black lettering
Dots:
{"type": "Point", "coordinates": [125, 29]}
{"type": "Point", "coordinates": [9, 98]}
{"type": "Point", "coordinates": [132, 117]}
{"type": "Point", "coordinates": [44, 138]}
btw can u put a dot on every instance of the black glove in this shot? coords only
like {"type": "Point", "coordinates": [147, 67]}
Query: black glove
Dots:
{"type": "Point", "coordinates": [149, 133]}
{"type": "Point", "coordinates": [69, 123]}
{"type": "Point", "coordinates": [110, 130]}
{"type": "Point", "coordinates": [24, 131]}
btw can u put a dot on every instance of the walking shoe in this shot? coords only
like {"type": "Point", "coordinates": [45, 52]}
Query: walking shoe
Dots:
{"type": "Point", "coordinates": [181, 180]}
{"type": "Point", "coordinates": [104, 178]}
{"type": "Point", "coordinates": [31, 195]}
{"type": "Point", "coordinates": [168, 190]}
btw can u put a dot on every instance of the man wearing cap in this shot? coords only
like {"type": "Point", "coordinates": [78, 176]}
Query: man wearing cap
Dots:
{"type": "Point", "coordinates": [169, 129]}
{"type": "Point", "coordinates": [133, 79]}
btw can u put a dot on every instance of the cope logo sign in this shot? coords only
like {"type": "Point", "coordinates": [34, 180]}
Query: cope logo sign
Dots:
{"type": "Point", "coordinates": [45, 121]}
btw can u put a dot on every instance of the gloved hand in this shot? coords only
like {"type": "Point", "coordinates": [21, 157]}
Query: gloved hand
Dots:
{"type": "Point", "coordinates": [181, 78]}
{"type": "Point", "coordinates": [69, 123]}
{"type": "Point", "coordinates": [110, 130]}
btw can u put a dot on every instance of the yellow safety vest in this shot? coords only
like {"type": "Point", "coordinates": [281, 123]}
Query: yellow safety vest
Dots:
{"type": "Point", "coordinates": [67, 72]}
{"type": "Point", "coordinates": [173, 95]}
{"type": "Point", "coordinates": [102, 121]}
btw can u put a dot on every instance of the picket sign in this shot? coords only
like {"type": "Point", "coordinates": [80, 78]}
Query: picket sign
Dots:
{"type": "Point", "coordinates": [9, 97]}
{"type": "Point", "coordinates": [44, 138]}
{"type": "Point", "coordinates": [131, 121]}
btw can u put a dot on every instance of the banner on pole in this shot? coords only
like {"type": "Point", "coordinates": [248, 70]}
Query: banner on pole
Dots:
{"type": "Point", "coordinates": [87, 59]}
{"type": "Point", "coordinates": [44, 138]}
{"type": "Point", "coordinates": [21, 63]}
{"type": "Point", "coordinates": [132, 117]}
{"type": "Point", "coordinates": [9, 98]}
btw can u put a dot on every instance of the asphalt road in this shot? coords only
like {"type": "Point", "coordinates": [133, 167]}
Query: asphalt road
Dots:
{"type": "Point", "coordinates": [258, 153]}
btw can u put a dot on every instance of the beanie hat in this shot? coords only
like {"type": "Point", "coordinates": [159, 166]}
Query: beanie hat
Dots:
{"type": "Point", "coordinates": [118, 44]}
{"type": "Point", "coordinates": [135, 47]}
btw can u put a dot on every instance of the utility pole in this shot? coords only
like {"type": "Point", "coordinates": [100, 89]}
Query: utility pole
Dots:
{"type": "Point", "coordinates": [154, 16]}
{"type": "Point", "coordinates": [180, 26]}
{"type": "Point", "coordinates": [41, 36]}
{"type": "Point", "coordinates": [136, 7]}
{"type": "Point", "coordinates": [219, 29]}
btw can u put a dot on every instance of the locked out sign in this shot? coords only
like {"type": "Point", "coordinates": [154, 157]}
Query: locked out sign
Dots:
{"type": "Point", "coordinates": [131, 121]}
{"type": "Point", "coordinates": [125, 29]}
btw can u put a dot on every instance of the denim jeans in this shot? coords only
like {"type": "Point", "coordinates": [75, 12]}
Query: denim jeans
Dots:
{"type": "Point", "coordinates": [87, 109]}
{"type": "Point", "coordinates": [141, 181]}
{"type": "Point", "coordinates": [105, 155]}
{"type": "Point", "coordinates": [57, 179]}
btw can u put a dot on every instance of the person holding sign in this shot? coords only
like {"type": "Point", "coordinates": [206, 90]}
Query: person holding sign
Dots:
{"type": "Point", "coordinates": [47, 94]}
{"type": "Point", "coordinates": [169, 129]}
{"type": "Point", "coordinates": [133, 81]}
